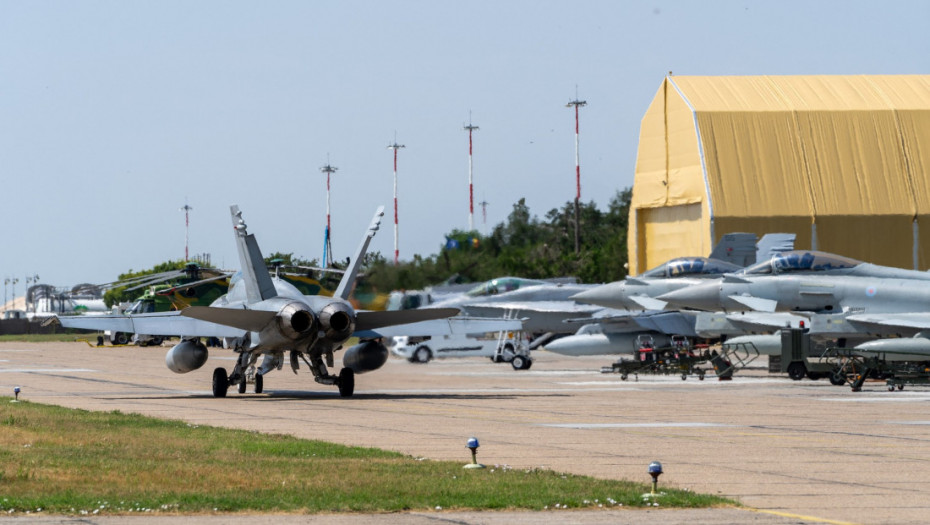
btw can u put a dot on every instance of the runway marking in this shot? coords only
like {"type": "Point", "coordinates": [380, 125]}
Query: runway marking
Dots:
{"type": "Point", "coordinates": [889, 397]}
{"type": "Point", "coordinates": [44, 370]}
{"type": "Point", "coordinates": [798, 516]}
{"type": "Point", "coordinates": [633, 425]}
{"type": "Point", "coordinates": [906, 422]}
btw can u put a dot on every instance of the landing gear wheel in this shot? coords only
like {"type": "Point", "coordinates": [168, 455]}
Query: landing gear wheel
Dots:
{"type": "Point", "coordinates": [220, 382]}
{"type": "Point", "coordinates": [346, 382]}
{"type": "Point", "coordinates": [421, 355]}
{"type": "Point", "coordinates": [507, 353]}
{"type": "Point", "coordinates": [242, 384]}
{"type": "Point", "coordinates": [259, 383]}
{"type": "Point", "coordinates": [797, 371]}
{"type": "Point", "coordinates": [519, 362]}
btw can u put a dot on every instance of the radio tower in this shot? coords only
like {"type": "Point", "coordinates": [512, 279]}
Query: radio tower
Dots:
{"type": "Point", "coordinates": [471, 198]}
{"type": "Point", "coordinates": [327, 237]}
{"type": "Point", "coordinates": [577, 104]}
{"type": "Point", "coordinates": [187, 226]}
{"type": "Point", "coordinates": [395, 146]}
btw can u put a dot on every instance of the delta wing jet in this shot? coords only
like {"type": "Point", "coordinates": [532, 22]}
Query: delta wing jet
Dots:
{"type": "Point", "coordinates": [840, 296]}
{"type": "Point", "coordinates": [269, 317]}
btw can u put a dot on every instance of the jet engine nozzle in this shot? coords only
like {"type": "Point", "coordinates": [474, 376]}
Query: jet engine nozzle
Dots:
{"type": "Point", "coordinates": [296, 320]}
{"type": "Point", "coordinates": [186, 356]}
{"type": "Point", "coordinates": [365, 357]}
{"type": "Point", "coordinates": [337, 320]}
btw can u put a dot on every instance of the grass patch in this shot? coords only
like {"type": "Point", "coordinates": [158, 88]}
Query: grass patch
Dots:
{"type": "Point", "coordinates": [59, 460]}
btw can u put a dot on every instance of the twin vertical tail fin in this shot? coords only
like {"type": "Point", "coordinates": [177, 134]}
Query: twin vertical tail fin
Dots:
{"type": "Point", "coordinates": [348, 279]}
{"type": "Point", "coordinates": [258, 283]}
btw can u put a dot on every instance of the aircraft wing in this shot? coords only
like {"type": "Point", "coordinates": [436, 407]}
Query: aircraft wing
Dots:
{"type": "Point", "coordinates": [170, 324]}
{"type": "Point", "coordinates": [448, 326]}
{"type": "Point", "coordinates": [366, 320]}
{"type": "Point", "coordinates": [915, 320]}
{"type": "Point", "coordinates": [499, 309]}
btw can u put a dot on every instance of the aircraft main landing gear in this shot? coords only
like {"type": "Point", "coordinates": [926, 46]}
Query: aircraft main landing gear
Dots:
{"type": "Point", "coordinates": [346, 382]}
{"type": "Point", "coordinates": [220, 382]}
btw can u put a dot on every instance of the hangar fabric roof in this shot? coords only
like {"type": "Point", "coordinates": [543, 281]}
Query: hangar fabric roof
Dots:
{"type": "Point", "coordinates": [840, 160]}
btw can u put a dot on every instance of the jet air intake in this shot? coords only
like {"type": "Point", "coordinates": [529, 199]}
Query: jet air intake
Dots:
{"type": "Point", "coordinates": [365, 357]}
{"type": "Point", "coordinates": [296, 321]}
{"type": "Point", "coordinates": [186, 356]}
{"type": "Point", "coordinates": [337, 320]}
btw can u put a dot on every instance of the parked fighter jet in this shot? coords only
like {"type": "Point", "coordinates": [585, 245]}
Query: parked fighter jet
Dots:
{"type": "Point", "coordinates": [840, 295]}
{"type": "Point", "coordinates": [734, 252]}
{"type": "Point", "coordinates": [262, 316]}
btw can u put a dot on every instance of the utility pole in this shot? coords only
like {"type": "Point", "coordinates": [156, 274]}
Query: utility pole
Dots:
{"type": "Point", "coordinates": [471, 198]}
{"type": "Point", "coordinates": [577, 104]}
{"type": "Point", "coordinates": [187, 226]}
{"type": "Point", "coordinates": [327, 239]}
{"type": "Point", "coordinates": [484, 212]}
{"type": "Point", "coordinates": [395, 146]}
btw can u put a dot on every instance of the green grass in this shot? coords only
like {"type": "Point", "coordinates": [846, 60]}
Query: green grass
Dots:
{"type": "Point", "coordinates": [77, 462]}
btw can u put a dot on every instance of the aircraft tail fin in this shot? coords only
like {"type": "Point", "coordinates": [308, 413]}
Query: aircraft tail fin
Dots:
{"type": "Point", "coordinates": [772, 243]}
{"type": "Point", "coordinates": [736, 248]}
{"type": "Point", "coordinates": [348, 279]}
{"type": "Point", "coordinates": [257, 280]}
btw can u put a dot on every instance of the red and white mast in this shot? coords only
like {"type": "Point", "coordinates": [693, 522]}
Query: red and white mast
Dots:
{"type": "Point", "coordinates": [471, 194]}
{"type": "Point", "coordinates": [395, 146]}
{"type": "Point", "coordinates": [577, 104]}
{"type": "Point", "coordinates": [187, 224]}
{"type": "Point", "coordinates": [327, 237]}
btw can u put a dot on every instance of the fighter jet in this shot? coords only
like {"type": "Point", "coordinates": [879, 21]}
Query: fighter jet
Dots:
{"type": "Point", "coordinates": [732, 253]}
{"type": "Point", "coordinates": [838, 294]}
{"type": "Point", "coordinates": [265, 316]}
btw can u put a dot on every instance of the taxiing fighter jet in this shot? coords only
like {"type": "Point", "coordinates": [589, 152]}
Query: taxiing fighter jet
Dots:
{"type": "Point", "coordinates": [265, 316]}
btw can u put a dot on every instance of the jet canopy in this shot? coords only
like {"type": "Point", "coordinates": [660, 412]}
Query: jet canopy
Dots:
{"type": "Point", "coordinates": [501, 285]}
{"type": "Point", "coordinates": [691, 266]}
{"type": "Point", "coordinates": [801, 261]}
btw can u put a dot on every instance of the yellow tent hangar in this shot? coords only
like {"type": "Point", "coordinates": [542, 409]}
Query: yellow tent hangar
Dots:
{"type": "Point", "coordinates": [841, 161]}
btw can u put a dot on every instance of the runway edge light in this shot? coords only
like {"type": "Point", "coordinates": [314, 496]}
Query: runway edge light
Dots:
{"type": "Point", "coordinates": [472, 444]}
{"type": "Point", "coordinates": [655, 470]}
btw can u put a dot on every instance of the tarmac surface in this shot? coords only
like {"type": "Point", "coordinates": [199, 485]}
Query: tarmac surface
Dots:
{"type": "Point", "coordinates": [791, 452]}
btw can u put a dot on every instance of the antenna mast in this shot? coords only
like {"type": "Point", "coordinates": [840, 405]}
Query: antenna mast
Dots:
{"type": "Point", "coordinates": [471, 198]}
{"type": "Point", "coordinates": [577, 104]}
{"type": "Point", "coordinates": [395, 146]}
{"type": "Point", "coordinates": [327, 236]}
{"type": "Point", "coordinates": [187, 226]}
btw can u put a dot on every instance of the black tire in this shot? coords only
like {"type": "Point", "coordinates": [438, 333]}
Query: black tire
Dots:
{"type": "Point", "coordinates": [421, 355]}
{"type": "Point", "coordinates": [220, 382]}
{"type": "Point", "coordinates": [346, 382]}
{"type": "Point", "coordinates": [518, 362]}
{"type": "Point", "coordinates": [797, 371]}
{"type": "Point", "coordinates": [120, 338]}
{"type": "Point", "coordinates": [242, 385]}
{"type": "Point", "coordinates": [157, 341]}
{"type": "Point", "coordinates": [529, 363]}
{"type": "Point", "coordinates": [259, 384]}
{"type": "Point", "coordinates": [837, 379]}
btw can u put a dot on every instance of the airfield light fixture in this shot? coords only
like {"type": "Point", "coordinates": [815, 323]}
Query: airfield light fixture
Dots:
{"type": "Point", "coordinates": [16, 391]}
{"type": "Point", "coordinates": [655, 470]}
{"type": "Point", "coordinates": [472, 444]}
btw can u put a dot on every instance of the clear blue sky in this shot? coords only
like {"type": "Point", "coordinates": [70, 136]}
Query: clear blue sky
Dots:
{"type": "Point", "coordinates": [112, 112]}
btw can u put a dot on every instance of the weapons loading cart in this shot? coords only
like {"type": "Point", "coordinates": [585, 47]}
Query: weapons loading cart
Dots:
{"type": "Point", "coordinates": [680, 357]}
{"type": "Point", "coordinates": [854, 368]}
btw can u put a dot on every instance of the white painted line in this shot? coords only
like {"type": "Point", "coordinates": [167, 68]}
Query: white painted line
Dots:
{"type": "Point", "coordinates": [633, 425]}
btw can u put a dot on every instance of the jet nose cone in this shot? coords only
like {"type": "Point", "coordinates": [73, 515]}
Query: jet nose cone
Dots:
{"type": "Point", "coordinates": [698, 297]}
{"type": "Point", "coordinates": [606, 295]}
